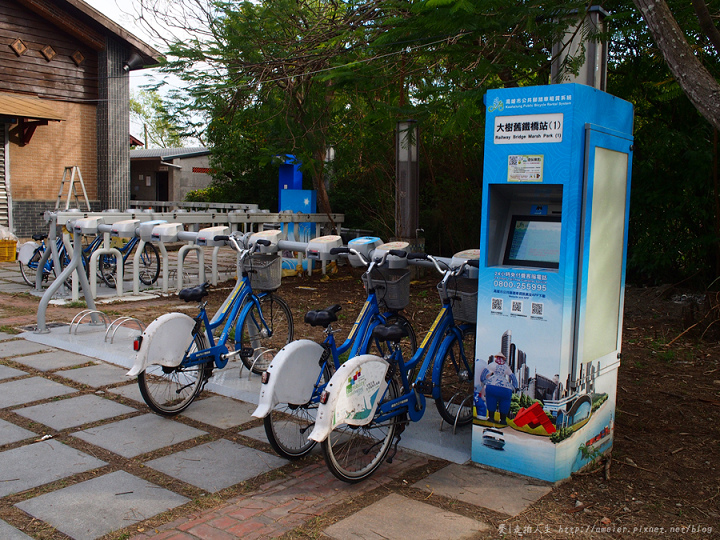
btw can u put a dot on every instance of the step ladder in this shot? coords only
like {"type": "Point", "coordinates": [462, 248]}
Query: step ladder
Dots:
{"type": "Point", "coordinates": [72, 175]}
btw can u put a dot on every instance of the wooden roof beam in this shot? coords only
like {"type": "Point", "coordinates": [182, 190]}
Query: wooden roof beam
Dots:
{"type": "Point", "coordinates": [60, 18]}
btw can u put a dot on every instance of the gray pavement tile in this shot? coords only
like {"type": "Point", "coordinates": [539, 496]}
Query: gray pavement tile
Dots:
{"type": "Point", "coordinates": [10, 433]}
{"type": "Point", "coordinates": [20, 346]}
{"type": "Point", "coordinates": [221, 412]}
{"type": "Point", "coordinates": [74, 412]}
{"type": "Point", "coordinates": [488, 489]}
{"type": "Point", "coordinates": [96, 376]}
{"type": "Point", "coordinates": [31, 389]}
{"type": "Point", "coordinates": [138, 435]}
{"type": "Point", "coordinates": [41, 463]}
{"type": "Point", "coordinates": [216, 465]}
{"type": "Point", "coordinates": [257, 433]}
{"type": "Point", "coordinates": [53, 360]}
{"type": "Point", "coordinates": [5, 337]}
{"type": "Point", "coordinates": [8, 532]}
{"type": "Point", "coordinates": [130, 391]}
{"type": "Point", "coordinates": [98, 506]}
{"type": "Point", "coordinates": [7, 372]}
{"type": "Point", "coordinates": [388, 518]}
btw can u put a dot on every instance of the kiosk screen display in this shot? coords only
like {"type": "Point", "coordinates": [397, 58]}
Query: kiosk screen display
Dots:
{"type": "Point", "coordinates": [533, 241]}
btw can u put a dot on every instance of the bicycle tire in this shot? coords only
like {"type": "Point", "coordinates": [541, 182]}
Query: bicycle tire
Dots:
{"type": "Point", "coordinates": [262, 346]}
{"type": "Point", "coordinates": [353, 453]}
{"type": "Point", "coordinates": [28, 272]}
{"type": "Point", "coordinates": [149, 264]}
{"type": "Point", "coordinates": [288, 427]}
{"type": "Point", "coordinates": [169, 391]}
{"type": "Point", "coordinates": [456, 381]}
{"type": "Point", "coordinates": [107, 268]}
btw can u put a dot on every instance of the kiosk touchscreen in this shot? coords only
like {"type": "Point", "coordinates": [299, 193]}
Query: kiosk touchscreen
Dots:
{"type": "Point", "coordinates": [551, 277]}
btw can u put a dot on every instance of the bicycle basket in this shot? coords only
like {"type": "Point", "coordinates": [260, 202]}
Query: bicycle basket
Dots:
{"type": "Point", "coordinates": [392, 287]}
{"type": "Point", "coordinates": [265, 272]}
{"type": "Point", "coordinates": [463, 292]}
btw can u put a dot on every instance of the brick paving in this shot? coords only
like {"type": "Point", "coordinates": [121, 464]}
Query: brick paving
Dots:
{"type": "Point", "coordinates": [279, 506]}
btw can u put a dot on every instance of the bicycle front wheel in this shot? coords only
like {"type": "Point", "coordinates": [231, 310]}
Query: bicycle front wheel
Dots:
{"type": "Point", "coordinates": [262, 341]}
{"type": "Point", "coordinates": [353, 453]}
{"type": "Point", "coordinates": [456, 381]}
{"type": "Point", "coordinates": [288, 426]}
{"type": "Point", "coordinates": [170, 390]}
{"type": "Point", "coordinates": [107, 268]}
{"type": "Point", "coordinates": [149, 264]}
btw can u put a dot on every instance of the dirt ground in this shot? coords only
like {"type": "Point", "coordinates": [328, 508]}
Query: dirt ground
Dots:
{"type": "Point", "coordinates": [663, 478]}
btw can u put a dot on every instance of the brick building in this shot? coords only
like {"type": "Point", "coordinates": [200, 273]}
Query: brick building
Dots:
{"type": "Point", "coordinates": [64, 101]}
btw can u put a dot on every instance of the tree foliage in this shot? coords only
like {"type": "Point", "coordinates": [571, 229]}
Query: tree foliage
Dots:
{"type": "Point", "coordinates": [296, 77]}
{"type": "Point", "coordinates": [147, 107]}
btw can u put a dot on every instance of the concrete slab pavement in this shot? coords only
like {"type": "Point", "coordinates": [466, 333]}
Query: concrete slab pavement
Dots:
{"type": "Point", "coordinates": [59, 483]}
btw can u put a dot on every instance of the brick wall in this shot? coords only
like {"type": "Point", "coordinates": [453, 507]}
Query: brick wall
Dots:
{"type": "Point", "coordinates": [36, 169]}
{"type": "Point", "coordinates": [28, 216]}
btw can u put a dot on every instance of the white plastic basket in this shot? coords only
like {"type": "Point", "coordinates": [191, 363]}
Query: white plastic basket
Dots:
{"type": "Point", "coordinates": [265, 272]}
{"type": "Point", "coordinates": [392, 287]}
{"type": "Point", "coordinates": [463, 294]}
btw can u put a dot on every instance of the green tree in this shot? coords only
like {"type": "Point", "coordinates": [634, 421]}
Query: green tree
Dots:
{"type": "Point", "coordinates": [147, 107]}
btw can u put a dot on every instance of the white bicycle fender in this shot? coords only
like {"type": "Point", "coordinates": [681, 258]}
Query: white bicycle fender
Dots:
{"type": "Point", "coordinates": [164, 342]}
{"type": "Point", "coordinates": [353, 395]}
{"type": "Point", "coordinates": [26, 252]}
{"type": "Point", "coordinates": [291, 376]}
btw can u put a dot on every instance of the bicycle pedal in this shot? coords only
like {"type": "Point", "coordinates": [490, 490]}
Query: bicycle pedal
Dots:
{"type": "Point", "coordinates": [424, 387]}
{"type": "Point", "coordinates": [247, 352]}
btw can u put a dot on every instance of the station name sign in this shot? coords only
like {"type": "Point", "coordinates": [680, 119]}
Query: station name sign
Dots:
{"type": "Point", "coordinates": [529, 128]}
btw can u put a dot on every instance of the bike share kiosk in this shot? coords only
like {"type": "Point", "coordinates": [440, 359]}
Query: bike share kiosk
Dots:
{"type": "Point", "coordinates": [551, 277]}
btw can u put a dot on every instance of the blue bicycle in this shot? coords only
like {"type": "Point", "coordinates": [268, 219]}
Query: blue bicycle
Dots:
{"type": "Point", "coordinates": [149, 262]}
{"type": "Point", "coordinates": [295, 380]}
{"type": "Point", "coordinates": [107, 264]}
{"type": "Point", "coordinates": [176, 354]}
{"type": "Point", "coordinates": [370, 399]}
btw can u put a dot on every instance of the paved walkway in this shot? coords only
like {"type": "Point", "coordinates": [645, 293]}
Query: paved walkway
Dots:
{"type": "Point", "coordinates": [82, 457]}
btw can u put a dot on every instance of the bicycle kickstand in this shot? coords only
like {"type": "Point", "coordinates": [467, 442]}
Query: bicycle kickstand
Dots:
{"type": "Point", "coordinates": [398, 436]}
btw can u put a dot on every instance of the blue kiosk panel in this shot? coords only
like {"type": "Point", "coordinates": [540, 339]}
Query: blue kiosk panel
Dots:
{"type": "Point", "coordinates": [550, 286]}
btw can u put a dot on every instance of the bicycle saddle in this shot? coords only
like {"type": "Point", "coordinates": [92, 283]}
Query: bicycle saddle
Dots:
{"type": "Point", "coordinates": [391, 332]}
{"type": "Point", "coordinates": [39, 236]}
{"type": "Point", "coordinates": [194, 293]}
{"type": "Point", "coordinates": [322, 317]}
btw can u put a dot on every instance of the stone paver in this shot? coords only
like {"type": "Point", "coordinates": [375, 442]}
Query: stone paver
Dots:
{"type": "Point", "coordinates": [138, 435]}
{"type": "Point", "coordinates": [96, 507]}
{"type": "Point", "coordinates": [471, 484]}
{"type": "Point", "coordinates": [31, 389]}
{"type": "Point", "coordinates": [10, 433]}
{"type": "Point", "coordinates": [216, 465]}
{"type": "Point", "coordinates": [8, 532]}
{"type": "Point", "coordinates": [398, 517]}
{"type": "Point", "coordinates": [50, 361]}
{"type": "Point", "coordinates": [6, 372]}
{"type": "Point", "coordinates": [95, 376]}
{"type": "Point", "coordinates": [20, 347]}
{"type": "Point", "coordinates": [4, 336]}
{"type": "Point", "coordinates": [130, 391]}
{"type": "Point", "coordinates": [74, 412]}
{"type": "Point", "coordinates": [221, 412]}
{"type": "Point", "coordinates": [257, 433]}
{"type": "Point", "coordinates": [40, 463]}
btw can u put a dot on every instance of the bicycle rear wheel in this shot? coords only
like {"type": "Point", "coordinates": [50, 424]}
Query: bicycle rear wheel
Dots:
{"type": "Point", "coordinates": [29, 271]}
{"type": "Point", "coordinates": [456, 381]}
{"type": "Point", "coordinates": [169, 391]}
{"type": "Point", "coordinates": [288, 426]}
{"type": "Point", "coordinates": [353, 453]}
{"type": "Point", "coordinates": [263, 341]}
{"type": "Point", "coordinates": [149, 264]}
